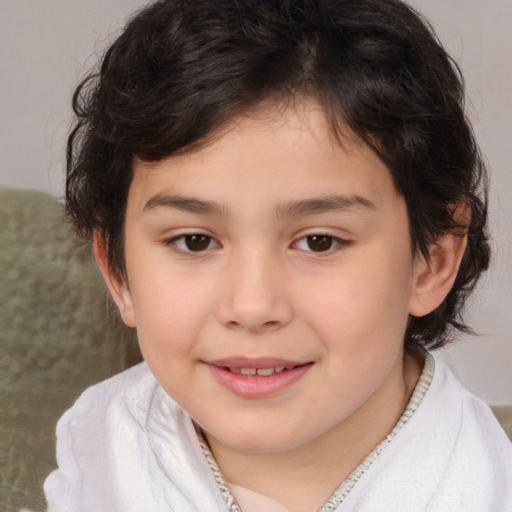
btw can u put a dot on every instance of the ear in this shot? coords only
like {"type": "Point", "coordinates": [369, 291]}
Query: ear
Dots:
{"type": "Point", "coordinates": [433, 277]}
{"type": "Point", "coordinates": [117, 284]}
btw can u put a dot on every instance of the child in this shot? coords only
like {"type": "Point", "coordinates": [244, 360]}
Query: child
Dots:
{"type": "Point", "coordinates": [286, 200]}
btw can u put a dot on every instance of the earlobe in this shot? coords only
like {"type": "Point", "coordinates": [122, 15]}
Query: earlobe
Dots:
{"type": "Point", "coordinates": [116, 284]}
{"type": "Point", "coordinates": [434, 277]}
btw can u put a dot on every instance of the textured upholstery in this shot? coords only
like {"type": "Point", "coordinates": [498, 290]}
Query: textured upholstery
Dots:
{"type": "Point", "coordinates": [56, 338]}
{"type": "Point", "coordinates": [504, 415]}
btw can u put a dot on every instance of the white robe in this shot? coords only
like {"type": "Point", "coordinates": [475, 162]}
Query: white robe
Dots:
{"type": "Point", "coordinates": [126, 446]}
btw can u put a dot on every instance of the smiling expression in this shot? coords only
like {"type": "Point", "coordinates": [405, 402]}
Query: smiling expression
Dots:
{"type": "Point", "coordinates": [270, 277]}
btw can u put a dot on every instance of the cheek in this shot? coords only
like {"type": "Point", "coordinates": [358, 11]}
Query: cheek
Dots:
{"type": "Point", "coordinates": [169, 314]}
{"type": "Point", "coordinates": [170, 321]}
{"type": "Point", "coordinates": [363, 308]}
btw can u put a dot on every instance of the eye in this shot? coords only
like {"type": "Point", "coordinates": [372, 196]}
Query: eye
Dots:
{"type": "Point", "coordinates": [320, 243]}
{"type": "Point", "coordinates": [195, 242]}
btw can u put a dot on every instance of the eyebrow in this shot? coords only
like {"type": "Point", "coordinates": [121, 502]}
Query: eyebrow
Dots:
{"type": "Point", "coordinates": [295, 208]}
{"type": "Point", "coordinates": [324, 204]}
{"type": "Point", "coordinates": [185, 204]}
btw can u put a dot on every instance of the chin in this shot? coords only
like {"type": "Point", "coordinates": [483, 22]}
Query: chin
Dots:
{"type": "Point", "coordinates": [261, 442]}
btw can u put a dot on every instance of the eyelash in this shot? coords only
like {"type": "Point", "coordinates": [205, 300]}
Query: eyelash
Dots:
{"type": "Point", "coordinates": [205, 241]}
{"type": "Point", "coordinates": [175, 242]}
{"type": "Point", "coordinates": [335, 243]}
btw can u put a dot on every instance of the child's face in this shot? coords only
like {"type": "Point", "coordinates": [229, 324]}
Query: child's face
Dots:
{"type": "Point", "coordinates": [271, 247]}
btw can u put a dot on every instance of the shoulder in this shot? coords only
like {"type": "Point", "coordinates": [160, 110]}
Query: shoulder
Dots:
{"type": "Point", "coordinates": [101, 443]}
{"type": "Point", "coordinates": [470, 415]}
{"type": "Point", "coordinates": [127, 390]}
{"type": "Point", "coordinates": [476, 455]}
{"type": "Point", "coordinates": [450, 455]}
{"type": "Point", "coordinates": [111, 415]}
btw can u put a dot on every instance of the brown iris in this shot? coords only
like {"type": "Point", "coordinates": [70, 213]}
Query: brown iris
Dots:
{"type": "Point", "coordinates": [320, 243]}
{"type": "Point", "coordinates": [197, 242]}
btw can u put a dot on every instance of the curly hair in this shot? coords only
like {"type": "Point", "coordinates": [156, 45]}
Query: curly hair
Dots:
{"type": "Point", "coordinates": [182, 68]}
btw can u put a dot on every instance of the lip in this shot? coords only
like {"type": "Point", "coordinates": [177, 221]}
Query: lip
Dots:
{"type": "Point", "coordinates": [256, 362]}
{"type": "Point", "coordinates": [256, 386]}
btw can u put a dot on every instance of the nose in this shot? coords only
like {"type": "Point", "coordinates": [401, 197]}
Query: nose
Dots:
{"type": "Point", "coordinates": [255, 294]}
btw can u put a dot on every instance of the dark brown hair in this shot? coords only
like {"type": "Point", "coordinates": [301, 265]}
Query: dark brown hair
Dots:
{"type": "Point", "coordinates": [181, 68]}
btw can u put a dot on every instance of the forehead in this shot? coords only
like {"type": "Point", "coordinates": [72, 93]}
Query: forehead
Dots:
{"type": "Point", "coordinates": [275, 152]}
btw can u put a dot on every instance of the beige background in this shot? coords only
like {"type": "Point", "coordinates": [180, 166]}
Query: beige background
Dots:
{"type": "Point", "coordinates": [46, 45]}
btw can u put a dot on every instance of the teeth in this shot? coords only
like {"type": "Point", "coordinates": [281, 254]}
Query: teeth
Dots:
{"type": "Point", "coordinates": [263, 372]}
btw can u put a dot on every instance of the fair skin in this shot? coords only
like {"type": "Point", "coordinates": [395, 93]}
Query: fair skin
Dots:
{"type": "Point", "coordinates": [274, 246]}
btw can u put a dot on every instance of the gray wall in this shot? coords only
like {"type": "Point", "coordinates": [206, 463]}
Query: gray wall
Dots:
{"type": "Point", "coordinates": [45, 46]}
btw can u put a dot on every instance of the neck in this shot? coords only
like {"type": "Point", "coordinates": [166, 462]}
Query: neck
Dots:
{"type": "Point", "coordinates": [304, 477]}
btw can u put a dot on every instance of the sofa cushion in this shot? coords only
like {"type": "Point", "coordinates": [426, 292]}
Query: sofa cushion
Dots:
{"type": "Point", "coordinates": [57, 337]}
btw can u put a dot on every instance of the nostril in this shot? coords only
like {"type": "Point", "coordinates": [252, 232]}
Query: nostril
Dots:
{"type": "Point", "coordinates": [271, 324]}
{"type": "Point", "coordinates": [254, 312]}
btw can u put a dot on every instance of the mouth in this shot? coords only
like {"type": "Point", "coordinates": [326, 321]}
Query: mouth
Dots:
{"type": "Point", "coordinates": [260, 372]}
{"type": "Point", "coordinates": [258, 378]}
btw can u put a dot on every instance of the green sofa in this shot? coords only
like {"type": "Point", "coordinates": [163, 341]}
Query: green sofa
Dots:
{"type": "Point", "coordinates": [57, 337]}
